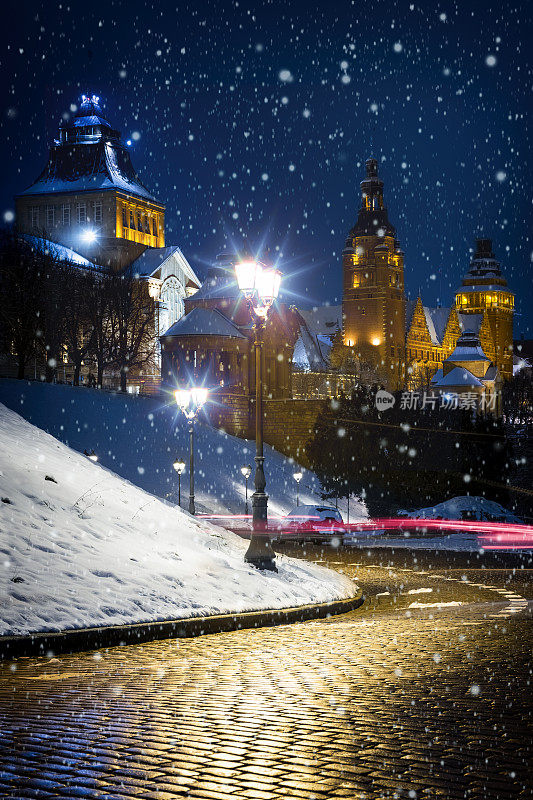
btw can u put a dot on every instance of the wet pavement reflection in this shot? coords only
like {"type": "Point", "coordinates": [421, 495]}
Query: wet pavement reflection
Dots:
{"type": "Point", "coordinates": [422, 692]}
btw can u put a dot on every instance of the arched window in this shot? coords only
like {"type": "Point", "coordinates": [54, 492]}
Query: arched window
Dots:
{"type": "Point", "coordinates": [172, 294]}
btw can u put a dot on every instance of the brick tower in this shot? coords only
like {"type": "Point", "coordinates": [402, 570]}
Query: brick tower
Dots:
{"type": "Point", "coordinates": [373, 303]}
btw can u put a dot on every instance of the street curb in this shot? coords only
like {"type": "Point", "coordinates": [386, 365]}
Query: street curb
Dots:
{"type": "Point", "coordinates": [40, 644]}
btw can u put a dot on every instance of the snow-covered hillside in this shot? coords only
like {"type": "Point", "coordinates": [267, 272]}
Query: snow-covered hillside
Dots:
{"type": "Point", "coordinates": [81, 546]}
{"type": "Point", "coordinates": [140, 437]}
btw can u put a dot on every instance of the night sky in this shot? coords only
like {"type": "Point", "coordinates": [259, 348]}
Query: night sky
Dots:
{"type": "Point", "coordinates": [252, 121]}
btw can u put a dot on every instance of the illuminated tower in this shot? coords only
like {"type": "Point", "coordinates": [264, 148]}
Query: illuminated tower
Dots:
{"type": "Point", "coordinates": [89, 197]}
{"type": "Point", "coordinates": [373, 303]}
{"type": "Point", "coordinates": [484, 291]}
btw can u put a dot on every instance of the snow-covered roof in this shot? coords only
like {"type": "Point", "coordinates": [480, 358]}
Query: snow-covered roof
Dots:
{"type": "Point", "coordinates": [219, 283]}
{"type": "Point", "coordinates": [153, 259]}
{"type": "Point", "coordinates": [470, 322]}
{"type": "Point", "coordinates": [87, 167]}
{"type": "Point", "coordinates": [204, 322]}
{"type": "Point", "coordinates": [58, 251]}
{"type": "Point", "coordinates": [436, 320]}
{"type": "Point", "coordinates": [458, 376]}
{"type": "Point", "coordinates": [323, 319]}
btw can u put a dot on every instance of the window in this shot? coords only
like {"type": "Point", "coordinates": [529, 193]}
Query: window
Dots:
{"type": "Point", "coordinates": [172, 298]}
{"type": "Point", "coordinates": [139, 221]}
{"type": "Point", "coordinates": [50, 216]}
{"type": "Point", "coordinates": [34, 215]}
{"type": "Point", "coordinates": [146, 225]}
{"type": "Point", "coordinates": [124, 217]}
{"type": "Point", "coordinates": [97, 212]}
{"type": "Point", "coordinates": [154, 226]}
{"type": "Point", "coordinates": [65, 214]}
{"type": "Point", "coordinates": [356, 280]}
{"type": "Point", "coordinates": [81, 213]}
{"type": "Point", "coordinates": [132, 219]}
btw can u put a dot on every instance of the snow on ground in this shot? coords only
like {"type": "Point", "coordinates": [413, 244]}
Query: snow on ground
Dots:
{"type": "Point", "coordinates": [140, 437]}
{"type": "Point", "coordinates": [81, 546]}
{"type": "Point", "coordinates": [465, 542]}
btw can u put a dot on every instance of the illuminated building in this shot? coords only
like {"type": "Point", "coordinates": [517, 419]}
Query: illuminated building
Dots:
{"type": "Point", "coordinates": [373, 304]}
{"type": "Point", "coordinates": [404, 341]}
{"type": "Point", "coordinates": [89, 197]}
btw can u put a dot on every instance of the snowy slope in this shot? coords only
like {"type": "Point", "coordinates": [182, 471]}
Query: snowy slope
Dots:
{"type": "Point", "coordinates": [80, 546]}
{"type": "Point", "coordinates": [140, 437]}
{"type": "Point", "coordinates": [463, 507]}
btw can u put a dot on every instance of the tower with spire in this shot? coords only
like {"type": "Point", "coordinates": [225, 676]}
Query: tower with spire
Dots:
{"type": "Point", "coordinates": [89, 197]}
{"type": "Point", "coordinates": [373, 304]}
{"type": "Point", "coordinates": [484, 291]}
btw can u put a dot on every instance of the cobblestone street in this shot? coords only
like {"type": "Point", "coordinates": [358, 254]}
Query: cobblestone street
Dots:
{"type": "Point", "coordinates": [401, 698]}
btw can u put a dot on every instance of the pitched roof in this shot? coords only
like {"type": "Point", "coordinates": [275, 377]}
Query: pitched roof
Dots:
{"type": "Point", "coordinates": [153, 259]}
{"type": "Point", "coordinates": [204, 322]}
{"type": "Point", "coordinates": [89, 166]}
{"type": "Point", "coordinates": [410, 306]}
{"type": "Point", "coordinates": [470, 322]}
{"type": "Point", "coordinates": [322, 320]}
{"type": "Point", "coordinates": [458, 376]}
{"type": "Point", "coordinates": [436, 320]}
{"type": "Point", "coordinates": [220, 282]}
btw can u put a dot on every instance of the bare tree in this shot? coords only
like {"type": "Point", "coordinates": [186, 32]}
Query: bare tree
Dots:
{"type": "Point", "coordinates": [132, 324]}
{"type": "Point", "coordinates": [78, 325]}
{"type": "Point", "coordinates": [99, 292]}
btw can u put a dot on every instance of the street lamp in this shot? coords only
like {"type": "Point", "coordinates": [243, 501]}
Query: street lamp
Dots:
{"type": "Point", "coordinates": [190, 401]}
{"type": "Point", "coordinates": [260, 286]}
{"type": "Point", "coordinates": [246, 471]}
{"type": "Point", "coordinates": [298, 477]}
{"type": "Point", "coordinates": [179, 466]}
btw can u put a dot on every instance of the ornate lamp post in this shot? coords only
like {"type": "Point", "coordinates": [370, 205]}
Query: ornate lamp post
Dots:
{"type": "Point", "coordinates": [246, 471]}
{"type": "Point", "coordinates": [179, 466]}
{"type": "Point", "coordinates": [298, 477]}
{"type": "Point", "coordinates": [190, 401]}
{"type": "Point", "coordinates": [260, 287]}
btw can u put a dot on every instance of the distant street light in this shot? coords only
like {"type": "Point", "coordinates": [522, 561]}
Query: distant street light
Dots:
{"type": "Point", "coordinates": [179, 466]}
{"type": "Point", "coordinates": [246, 471]}
{"type": "Point", "coordinates": [90, 455]}
{"type": "Point", "coordinates": [298, 477]}
{"type": "Point", "coordinates": [260, 286]}
{"type": "Point", "coordinates": [190, 401]}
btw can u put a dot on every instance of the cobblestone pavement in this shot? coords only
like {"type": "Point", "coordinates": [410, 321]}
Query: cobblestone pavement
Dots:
{"type": "Point", "coordinates": [402, 698]}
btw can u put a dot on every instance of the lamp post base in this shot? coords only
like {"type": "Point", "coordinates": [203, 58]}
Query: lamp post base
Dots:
{"type": "Point", "coordinates": [260, 553]}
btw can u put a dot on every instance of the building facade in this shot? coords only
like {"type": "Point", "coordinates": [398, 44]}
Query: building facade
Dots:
{"type": "Point", "coordinates": [406, 341]}
{"type": "Point", "coordinates": [89, 197]}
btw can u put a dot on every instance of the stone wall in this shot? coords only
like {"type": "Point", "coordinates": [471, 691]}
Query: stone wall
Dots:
{"type": "Point", "coordinates": [288, 424]}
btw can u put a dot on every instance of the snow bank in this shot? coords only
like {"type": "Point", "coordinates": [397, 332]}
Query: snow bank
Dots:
{"type": "Point", "coordinates": [465, 507]}
{"type": "Point", "coordinates": [81, 546]}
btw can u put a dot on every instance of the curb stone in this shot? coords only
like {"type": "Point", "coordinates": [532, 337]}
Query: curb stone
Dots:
{"type": "Point", "coordinates": [71, 641]}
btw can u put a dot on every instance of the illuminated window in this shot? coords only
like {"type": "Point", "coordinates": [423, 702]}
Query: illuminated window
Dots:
{"type": "Point", "coordinates": [65, 214]}
{"type": "Point", "coordinates": [132, 219]}
{"type": "Point", "coordinates": [154, 226]}
{"type": "Point", "coordinates": [356, 280]}
{"type": "Point", "coordinates": [124, 217]}
{"type": "Point", "coordinates": [81, 213]}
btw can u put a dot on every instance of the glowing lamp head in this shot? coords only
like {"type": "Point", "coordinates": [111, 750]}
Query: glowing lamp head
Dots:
{"type": "Point", "coordinates": [298, 476]}
{"type": "Point", "coordinates": [267, 283]}
{"type": "Point", "coordinates": [179, 466]}
{"type": "Point", "coordinates": [376, 341]}
{"type": "Point", "coordinates": [190, 401]}
{"type": "Point", "coordinates": [246, 471]}
{"type": "Point", "coordinates": [247, 273]}
{"type": "Point", "coordinates": [89, 236]}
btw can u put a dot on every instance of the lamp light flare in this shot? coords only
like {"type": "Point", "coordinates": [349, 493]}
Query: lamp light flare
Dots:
{"type": "Point", "coordinates": [179, 466]}
{"type": "Point", "coordinates": [89, 236]}
{"type": "Point", "coordinates": [376, 341]}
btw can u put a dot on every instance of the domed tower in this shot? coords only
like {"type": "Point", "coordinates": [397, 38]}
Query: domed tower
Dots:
{"type": "Point", "coordinates": [89, 197]}
{"type": "Point", "coordinates": [373, 303]}
{"type": "Point", "coordinates": [484, 291]}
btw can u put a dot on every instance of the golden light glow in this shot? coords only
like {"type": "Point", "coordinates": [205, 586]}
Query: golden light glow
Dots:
{"type": "Point", "coordinates": [376, 341]}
